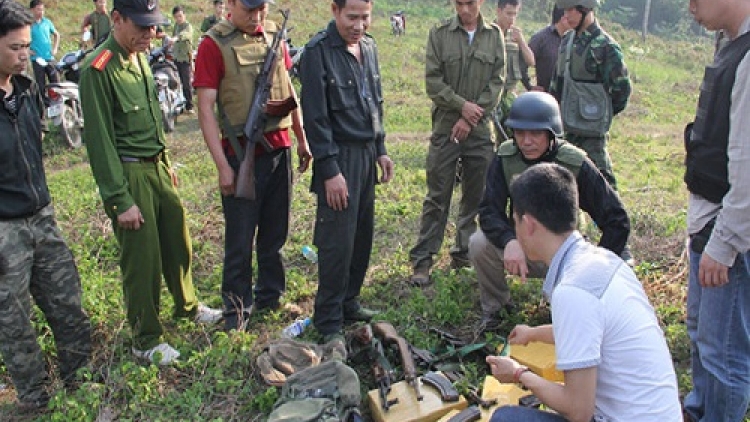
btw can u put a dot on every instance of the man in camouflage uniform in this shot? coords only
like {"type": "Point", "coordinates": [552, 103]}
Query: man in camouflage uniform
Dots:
{"type": "Point", "coordinates": [34, 259]}
{"type": "Point", "coordinates": [597, 58]}
{"type": "Point", "coordinates": [465, 64]}
{"type": "Point", "coordinates": [519, 58]}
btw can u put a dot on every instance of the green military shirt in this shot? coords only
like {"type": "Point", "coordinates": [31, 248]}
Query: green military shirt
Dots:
{"type": "Point", "coordinates": [100, 26]}
{"type": "Point", "coordinates": [183, 42]}
{"type": "Point", "coordinates": [208, 22]}
{"type": "Point", "coordinates": [456, 72]}
{"type": "Point", "coordinates": [513, 63]}
{"type": "Point", "coordinates": [121, 118]}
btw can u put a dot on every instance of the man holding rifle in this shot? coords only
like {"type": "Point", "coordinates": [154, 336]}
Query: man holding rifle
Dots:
{"type": "Point", "coordinates": [342, 101]}
{"type": "Point", "coordinates": [227, 69]}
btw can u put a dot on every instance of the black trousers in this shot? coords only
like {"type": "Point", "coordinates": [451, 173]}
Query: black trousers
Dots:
{"type": "Point", "coordinates": [264, 223]}
{"type": "Point", "coordinates": [185, 70]}
{"type": "Point", "coordinates": [344, 239]}
{"type": "Point", "coordinates": [41, 74]}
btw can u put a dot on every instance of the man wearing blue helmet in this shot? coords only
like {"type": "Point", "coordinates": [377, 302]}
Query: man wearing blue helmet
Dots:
{"type": "Point", "coordinates": [493, 249]}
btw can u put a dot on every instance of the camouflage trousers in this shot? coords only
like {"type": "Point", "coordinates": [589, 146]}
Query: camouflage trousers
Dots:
{"type": "Point", "coordinates": [596, 149]}
{"type": "Point", "coordinates": [36, 263]}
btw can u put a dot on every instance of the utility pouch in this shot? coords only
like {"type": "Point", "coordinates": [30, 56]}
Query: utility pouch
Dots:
{"type": "Point", "coordinates": [699, 240]}
{"type": "Point", "coordinates": [586, 106]}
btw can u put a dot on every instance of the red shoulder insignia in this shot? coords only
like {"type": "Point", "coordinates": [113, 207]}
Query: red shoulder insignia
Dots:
{"type": "Point", "coordinates": [101, 60]}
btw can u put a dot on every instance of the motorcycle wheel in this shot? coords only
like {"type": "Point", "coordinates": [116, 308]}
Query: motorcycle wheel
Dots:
{"type": "Point", "coordinates": [168, 117]}
{"type": "Point", "coordinates": [71, 134]}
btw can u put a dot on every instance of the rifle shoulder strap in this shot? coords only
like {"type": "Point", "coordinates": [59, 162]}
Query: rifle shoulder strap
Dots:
{"type": "Point", "coordinates": [230, 134]}
{"type": "Point", "coordinates": [567, 55]}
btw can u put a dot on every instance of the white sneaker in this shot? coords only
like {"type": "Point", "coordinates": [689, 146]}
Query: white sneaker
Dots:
{"type": "Point", "coordinates": [165, 353]}
{"type": "Point", "coordinates": [206, 315]}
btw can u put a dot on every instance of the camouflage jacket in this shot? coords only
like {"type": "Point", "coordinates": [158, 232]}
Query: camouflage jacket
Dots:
{"type": "Point", "coordinates": [596, 57]}
{"type": "Point", "coordinates": [456, 72]}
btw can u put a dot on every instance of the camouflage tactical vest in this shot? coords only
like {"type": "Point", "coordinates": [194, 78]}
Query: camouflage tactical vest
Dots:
{"type": "Point", "coordinates": [243, 56]}
{"type": "Point", "coordinates": [567, 155]}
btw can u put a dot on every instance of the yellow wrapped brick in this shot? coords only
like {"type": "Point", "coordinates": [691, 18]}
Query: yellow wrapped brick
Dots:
{"type": "Point", "coordinates": [408, 409]}
{"type": "Point", "coordinates": [539, 357]}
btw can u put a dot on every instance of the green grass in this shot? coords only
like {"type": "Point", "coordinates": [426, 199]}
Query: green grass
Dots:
{"type": "Point", "coordinates": [217, 379]}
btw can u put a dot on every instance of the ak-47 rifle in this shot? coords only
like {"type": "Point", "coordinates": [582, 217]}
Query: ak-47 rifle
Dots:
{"type": "Point", "coordinates": [497, 118]}
{"type": "Point", "coordinates": [259, 111]}
{"type": "Point", "coordinates": [388, 335]}
{"type": "Point", "coordinates": [381, 368]}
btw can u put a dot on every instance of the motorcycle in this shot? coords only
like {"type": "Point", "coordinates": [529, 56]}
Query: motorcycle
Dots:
{"type": "Point", "coordinates": [64, 109]}
{"type": "Point", "coordinates": [168, 86]}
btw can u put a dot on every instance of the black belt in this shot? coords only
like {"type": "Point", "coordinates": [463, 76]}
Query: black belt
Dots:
{"type": "Point", "coordinates": [154, 159]}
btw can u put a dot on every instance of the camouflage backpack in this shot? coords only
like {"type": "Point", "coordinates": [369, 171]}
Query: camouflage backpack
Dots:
{"type": "Point", "coordinates": [324, 393]}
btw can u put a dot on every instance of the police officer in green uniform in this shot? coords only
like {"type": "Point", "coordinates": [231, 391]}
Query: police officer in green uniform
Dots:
{"type": "Point", "coordinates": [465, 64]}
{"type": "Point", "coordinates": [493, 249]}
{"type": "Point", "coordinates": [519, 58]}
{"type": "Point", "coordinates": [182, 45]}
{"type": "Point", "coordinates": [595, 57]}
{"type": "Point", "coordinates": [97, 22]}
{"type": "Point", "coordinates": [126, 147]}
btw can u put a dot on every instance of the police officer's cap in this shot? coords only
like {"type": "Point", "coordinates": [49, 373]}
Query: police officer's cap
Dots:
{"type": "Point", "coordinates": [567, 4]}
{"type": "Point", "coordinates": [535, 111]}
{"type": "Point", "coordinates": [141, 12]}
{"type": "Point", "coordinates": [252, 4]}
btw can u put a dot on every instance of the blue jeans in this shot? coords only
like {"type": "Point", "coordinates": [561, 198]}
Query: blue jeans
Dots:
{"type": "Point", "coordinates": [524, 414]}
{"type": "Point", "coordinates": [718, 323]}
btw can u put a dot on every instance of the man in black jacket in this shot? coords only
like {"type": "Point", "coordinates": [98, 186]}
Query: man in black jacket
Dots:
{"type": "Point", "coordinates": [35, 262]}
{"type": "Point", "coordinates": [342, 105]}
{"type": "Point", "coordinates": [493, 249]}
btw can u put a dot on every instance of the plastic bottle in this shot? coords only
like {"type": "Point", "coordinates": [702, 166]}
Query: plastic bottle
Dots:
{"type": "Point", "coordinates": [310, 254]}
{"type": "Point", "coordinates": [296, 328]}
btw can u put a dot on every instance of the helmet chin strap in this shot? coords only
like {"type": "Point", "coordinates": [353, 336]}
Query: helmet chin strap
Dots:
{"type": "Point", "coordinates": [584, 12]}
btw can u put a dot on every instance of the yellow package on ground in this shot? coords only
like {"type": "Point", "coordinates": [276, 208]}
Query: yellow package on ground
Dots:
{"type": "Point", "coordinates": [505, 394]}
{"type": "Point", "coordinates": [409, 409]}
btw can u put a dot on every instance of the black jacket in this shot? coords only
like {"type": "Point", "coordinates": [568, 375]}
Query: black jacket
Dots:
{"type": "Point", "coordinates": [596, 197]}
{"type": "Point", "coordinates": [340, 104]}
{"type": "Point", "coordinates": [23, 186]}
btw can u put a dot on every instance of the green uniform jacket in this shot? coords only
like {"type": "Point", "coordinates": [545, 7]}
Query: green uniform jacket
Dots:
{"type": "Point", "coordinates": [100, 26]}
{"type": "Point", "coordinates": [208, 22]}
{"type": "Point", "coordinates": [122, 118]}
{"type": "Point", "coordinates": [456, 72]}
{"type": "Point", "coordinates": [183, 42]}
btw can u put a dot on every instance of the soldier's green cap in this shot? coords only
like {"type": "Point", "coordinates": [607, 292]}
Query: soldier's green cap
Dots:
{"type": "Point", "coordinates": [567, 4]}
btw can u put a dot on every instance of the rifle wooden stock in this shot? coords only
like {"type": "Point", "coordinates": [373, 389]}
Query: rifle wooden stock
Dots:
{"type": "Point", "coordinates": [388, 335]}
{"type": "Point", "coordinates": [257, 117]}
